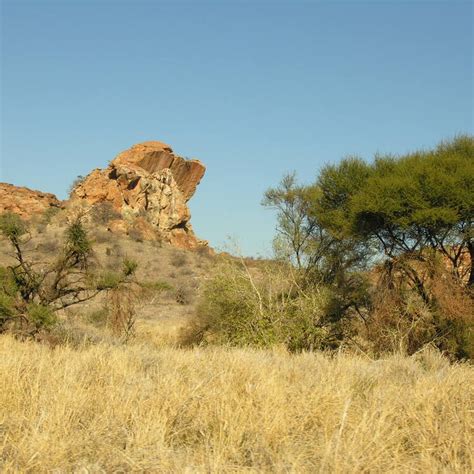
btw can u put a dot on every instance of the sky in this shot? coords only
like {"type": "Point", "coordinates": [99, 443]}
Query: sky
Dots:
{"type": "Point", "coordinates": [254, 89]}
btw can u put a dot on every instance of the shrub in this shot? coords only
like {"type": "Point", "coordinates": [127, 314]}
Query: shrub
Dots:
{"type": "Point", "coordinates": [129, 267]}
{"type": "Point", "coordinates": [7, 309]}
{"type": "Point", "coordinates": [104, 212]}
{"type": "Point", "coordinates": [50, 247]}
{"type": "Point", "coordinates": [30, 298]}
{"type": "Point", "coordinates": [401, 320]}
{"type": "Point", "coordinates": [101, 236]}
{"type": "Point", "coordinates": [184, 293]}
{"type": "Point", "coordinates": [259, 308]}
{"type": "Point", "coordinates": [121, 311]}
{"type": "Point", "coordinates": [108, 280]}
{"type": "Point", "coordinates": [42, 316]}
{"type": "Point", "coordinates": [158, 285]}
{"type": "Point", "coordinates": [136, 235]}
{"type": "Point", "coordinates": [12, 226]}
{"type": "Point", "coordinates": [98, 317]}
{"type": "Point", "coordinates": [115, 251]}
{"type": "Point", "coordinates": [49, 214]}
{"type": "Point", "coordinates": [179, 259]}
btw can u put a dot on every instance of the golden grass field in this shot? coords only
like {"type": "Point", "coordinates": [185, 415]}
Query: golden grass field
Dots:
{"type": "Point", "coordinates": [143, 408]}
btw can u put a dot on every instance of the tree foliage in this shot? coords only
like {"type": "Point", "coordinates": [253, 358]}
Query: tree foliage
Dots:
{"type": "Point", "coordinates": [406, 212]}
{"type": "Point", "coordinates": [32, 292]}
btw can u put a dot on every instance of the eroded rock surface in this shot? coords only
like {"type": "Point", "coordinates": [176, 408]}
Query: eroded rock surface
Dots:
{"type": "Point", "coordinates": [148, 183]}
{"type": "Point", "coordinates": [26, 202]}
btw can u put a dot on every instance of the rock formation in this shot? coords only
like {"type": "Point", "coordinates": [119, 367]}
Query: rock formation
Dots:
{"type": "Point", "coordinates": [149, 186]}
{"type": "Point", "coordinates": [25, 202]}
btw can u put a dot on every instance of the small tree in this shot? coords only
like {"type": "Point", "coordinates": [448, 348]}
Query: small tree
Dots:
{"type": "Point", "coordinates": [323, 258]}
{"type": "Point", "coordinates": [31, 293]}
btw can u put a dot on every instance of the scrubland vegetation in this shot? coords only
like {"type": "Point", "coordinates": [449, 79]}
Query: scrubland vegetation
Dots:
{"type": "Point", "coordinates": [350, 351]}
{"type": "Point", "coordinates": [377, 257]}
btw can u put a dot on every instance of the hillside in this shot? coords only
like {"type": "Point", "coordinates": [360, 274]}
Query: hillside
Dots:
{"type": "Point", "coordinates": [172, 278]}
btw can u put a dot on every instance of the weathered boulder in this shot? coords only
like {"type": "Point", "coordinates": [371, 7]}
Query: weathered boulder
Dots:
{"type": "Point", "coordinates": [154, 157]}
{"type": "Point", "coordinates": [147, 182]}
{"type": "Point", "coordinates": [26, 202]}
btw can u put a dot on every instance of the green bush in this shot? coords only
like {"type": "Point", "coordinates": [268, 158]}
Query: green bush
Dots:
{"type": "Point", "coordinates": [12, 226]}
{"type": "Point", "coordinates": [129, 266]}
{"type": "Point", "coordinates": [98, 317]}
{"type": "Point", "coordinates": [260, 308]}
{"type": "Point", "coordinates": [8, 285]}
{"type": "Point", "coordinates": [49, 214]}
{"type": "Point", "coordinates": [108, 280]}
{"type": "Point", "coordinates": [7, 309]}
{"type": "Point", "coordinates": [41, 316]}
{"type": "Point", "coordinates": [31, 292]}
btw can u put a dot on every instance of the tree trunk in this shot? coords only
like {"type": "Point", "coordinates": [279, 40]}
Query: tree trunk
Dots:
{"type": "Point", "coordinates": [470, 247]}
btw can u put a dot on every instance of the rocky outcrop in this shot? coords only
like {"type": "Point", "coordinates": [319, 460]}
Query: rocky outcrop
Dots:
{"type": "Point", "coordinates": [149, 186]}
{"type": "Point", "coordinates": [26, 202]}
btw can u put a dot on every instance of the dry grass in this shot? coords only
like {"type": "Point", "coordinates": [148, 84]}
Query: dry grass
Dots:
{"type": "Point", "coordinates": [136, 408]}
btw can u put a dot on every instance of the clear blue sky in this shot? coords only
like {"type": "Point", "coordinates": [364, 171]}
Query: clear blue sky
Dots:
{"type": "Point", "coordinates": [252, 88]}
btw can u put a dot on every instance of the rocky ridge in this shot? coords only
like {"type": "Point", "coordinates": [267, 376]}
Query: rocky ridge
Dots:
{"type": "Point", "coordinates": [147, 187]}
{"type": "Point", "coordinates": [26, 202]}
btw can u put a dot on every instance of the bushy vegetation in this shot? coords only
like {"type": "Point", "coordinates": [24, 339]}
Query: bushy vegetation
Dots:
{"type": "Point", "coordinates": [102, 213]}
{"type": "Point", "coordinates": [377, 256]}
{"type": "Point", "coordinates": [32, 292]}
{"type": "Point", "coordinates": [261, 307]}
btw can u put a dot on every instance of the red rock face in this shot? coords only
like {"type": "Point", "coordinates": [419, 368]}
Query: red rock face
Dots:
{"type": "Point", "coordinates": [150, 181]}
{"type": "Point", "coordinates": [25, 202]}
{"type": "Point", "coordinates": [154, 157]}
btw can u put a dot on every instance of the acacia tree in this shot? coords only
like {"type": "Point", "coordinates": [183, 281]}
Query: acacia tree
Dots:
{"type": "Point", "coordinates": [322, 258]}
{"type": "Point", "coordinates": [414, 213]}
{"type": "Point", "coordinates": [32, 292]}
{"type": "Point", "coordinates": [407, 205]}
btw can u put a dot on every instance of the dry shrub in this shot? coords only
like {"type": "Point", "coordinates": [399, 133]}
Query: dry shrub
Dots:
{"type": "Point", "coordinates": [40, 227]}
{"type": "Point", "coordinates": [187, 272]}
{"type": "Point", "coordinates": [204, 251]}
{"type": "Point", "coordinates": [136, 235]}
{"type": "Point", "coordinates": [179, 259]}
{"type": "Point", "coordinates": [185, 293]}
{"type": "Point", "coordinates": [103, 213]}
{"type": "Point", "coordinates": [115, 251]}
{"type": "Point", "coordinates": [398, 323]}
{"type": "Point", "coordinates": [98, 317]}
{"type": "Point", "coordinates": [49, 247]}
{"type": "Point", "coordinates": [259, 307]}
{"type": "Point", "coordinates": [121, 307]}
{"type": "Point", "coordinates": [401, 320]}
{"type": "Point", "coordinates": [101, 236]}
